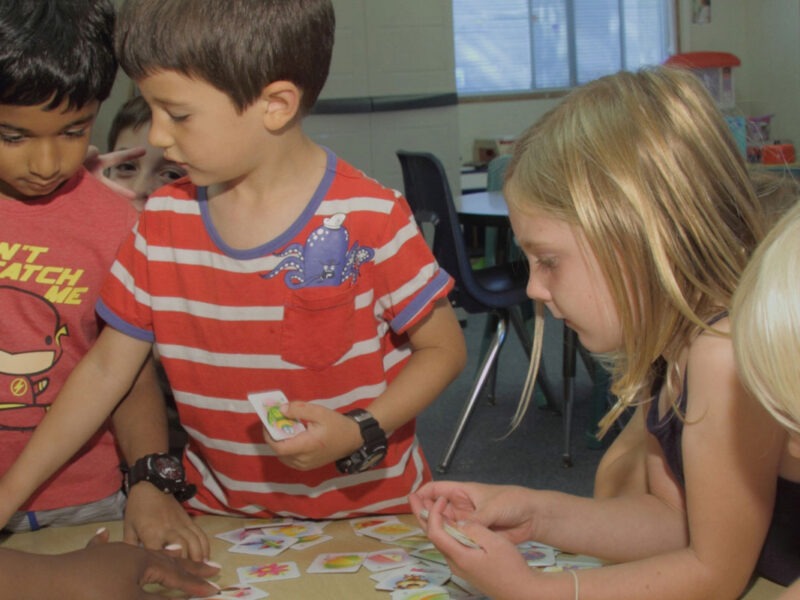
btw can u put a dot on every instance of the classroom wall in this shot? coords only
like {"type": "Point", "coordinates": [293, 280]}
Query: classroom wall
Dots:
{"type": "Point", "coordinates": [764, 34]}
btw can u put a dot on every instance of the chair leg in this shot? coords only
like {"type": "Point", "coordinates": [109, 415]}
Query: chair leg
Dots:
{"type": "Point", "coordinates": [492, 385]}
{"type": "Point", "coordinates": [489, 332]}
{"type": "Point", "coordinates": [483, 373]}
{"type": "Point", "coordinates": [569, 358]}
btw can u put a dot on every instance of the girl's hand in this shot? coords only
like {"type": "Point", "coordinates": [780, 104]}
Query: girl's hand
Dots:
{"type": "Point", "coordinates": [510, 510]}
{"type": "Point", "coordinates": [497, 568]}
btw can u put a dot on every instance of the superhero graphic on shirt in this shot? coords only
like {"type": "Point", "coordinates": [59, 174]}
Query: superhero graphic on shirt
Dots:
{"type": "Point", "coordinates": [30, 344]}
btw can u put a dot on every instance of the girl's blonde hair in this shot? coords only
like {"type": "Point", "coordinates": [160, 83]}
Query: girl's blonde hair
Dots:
{"type": "Point", "coordinates": [765, 317]}
{"type": "Point", "coordinates": [645, 165]}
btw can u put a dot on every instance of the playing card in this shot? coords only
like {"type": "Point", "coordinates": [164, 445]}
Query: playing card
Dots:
{"type": "Point", "coordinates": [240, 591]}
{"type": "Point", "coordinates": [268, 572]}
{"type": "Point", "coordinates": [296, 530]}
{"type": "Point", "coordinates": [413, 542]}
{"type": "Point", "coordinates": [413, 578]}
{"type": "Point", "coordinates": [469, 590]}
{"type": "Point", "coordinates": [242, 533]}
{"type": "Point", "coordinates": [388, 532]}
{"type": "Point", "coordinates": [359, 525]}
{"type": "Point", "coordinates": [537, 555]}
{"type": "Point", "coordinates": [268, 406]}
{"type": "Point", "coordinates": [383, 560]}
{"type": "Point", "coordinates": [414, 569]}
{"type": "Point", "coordinates": [429, 593]}
{"type": "Point", "coordinates": [453, 532]}
{"type": "Point", "coordinates": [306, 541]}
{"type": "Point", "coordinates": [339, 562]}
{"type": "Point", "coordinates": [263, 545]}
{"type": "Point", "coordinates": [429, 553]}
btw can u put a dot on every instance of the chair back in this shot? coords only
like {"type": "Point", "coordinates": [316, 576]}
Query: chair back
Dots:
{"type": "Point", "coordinates": [428, 193]}
{"type": "Point", "coordinates": [495, 172]}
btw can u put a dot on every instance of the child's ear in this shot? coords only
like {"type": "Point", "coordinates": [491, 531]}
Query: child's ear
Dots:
{"type": "Point", "coordinates": [281, 102]}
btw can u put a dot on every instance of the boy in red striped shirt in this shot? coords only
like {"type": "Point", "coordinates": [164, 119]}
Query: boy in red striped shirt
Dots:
{"type": "Point", "coordinates": [275, 266]}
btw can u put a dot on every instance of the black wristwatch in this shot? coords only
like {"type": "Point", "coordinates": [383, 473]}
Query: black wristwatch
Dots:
{"type": "Point", "coordinates": [163, 471]}
{"type": "Point", "coordinates": [374, 449]}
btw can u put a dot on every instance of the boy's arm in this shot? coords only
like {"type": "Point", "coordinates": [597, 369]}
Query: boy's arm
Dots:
{"type": "Point", "coordinates": [151, 517]}
{"type": "Point", "coordinates": [87, 399]}
{"type": "Point", "coordinates": [439, 354]}
{"type": "Point", "coordinates": [140, 420]}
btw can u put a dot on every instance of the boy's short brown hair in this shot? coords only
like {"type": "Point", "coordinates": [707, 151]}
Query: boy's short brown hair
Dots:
{"type": "Point", "coordinates": [237, 46]}
{"type": "Point", "coordinates": [135, 113]}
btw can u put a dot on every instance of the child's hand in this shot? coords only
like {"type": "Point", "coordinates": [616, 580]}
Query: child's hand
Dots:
{"type": "Point", "coordinates": [158, 520]}
{"type": "Point", "coordinates": [97, 163]}
{"type": "Point", "coordinates": [328, 437]}
{"type": "Point", "coordinates": [496, 568]}
{"type": "Point", "coordinates": [509, 510]}
{"type": "Point", "coordinates": [116, 570]}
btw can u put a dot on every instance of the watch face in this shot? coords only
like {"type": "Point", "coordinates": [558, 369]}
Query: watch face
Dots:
{"type": "Point", "coordinates": [168, 467]}
{"type": "Point", "coordinates": [372, 460]}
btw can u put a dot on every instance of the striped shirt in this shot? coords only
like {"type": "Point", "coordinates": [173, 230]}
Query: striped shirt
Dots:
{"type": "Point", "coordinates": [318, 313]}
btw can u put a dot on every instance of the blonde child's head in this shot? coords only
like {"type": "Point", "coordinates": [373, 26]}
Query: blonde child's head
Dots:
{"type": "Point", "coordinates": [765, 319]}
{"type": "Point", "coordinates": [644, 166]}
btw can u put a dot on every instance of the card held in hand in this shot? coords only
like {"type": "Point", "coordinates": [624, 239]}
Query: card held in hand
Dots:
{"type": "Point", "coordinates": [268, 406]}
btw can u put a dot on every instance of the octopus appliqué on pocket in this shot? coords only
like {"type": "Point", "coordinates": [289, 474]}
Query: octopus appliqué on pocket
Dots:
{"type": "Point", "coordinates": [318, 312]}
{"type": "Point", "coordinates": [325, 259]}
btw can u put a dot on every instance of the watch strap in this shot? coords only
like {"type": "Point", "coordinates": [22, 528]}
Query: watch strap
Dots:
{"type": "Point", "coordinates": [374, 448]}
{"type": "Point", "coordinates": [143, 470]}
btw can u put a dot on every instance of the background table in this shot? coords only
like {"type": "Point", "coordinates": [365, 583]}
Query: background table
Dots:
{"type": "Point", "coordinates": [349, 586]}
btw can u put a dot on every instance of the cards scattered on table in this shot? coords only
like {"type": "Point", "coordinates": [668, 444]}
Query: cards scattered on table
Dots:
{"type": "Point", "coordinates": [411, 569]}
{"type": "Point", "coordinates": [268, 406]}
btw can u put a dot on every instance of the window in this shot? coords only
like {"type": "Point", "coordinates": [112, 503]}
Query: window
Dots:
{"type": "Point", "coordinates": [507, 46]}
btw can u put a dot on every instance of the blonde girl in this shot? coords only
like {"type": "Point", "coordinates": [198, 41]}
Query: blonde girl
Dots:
{"type": "Point", "coordinates": [765, 322]}
{"type": "Point", "coordinates": [635, 211]}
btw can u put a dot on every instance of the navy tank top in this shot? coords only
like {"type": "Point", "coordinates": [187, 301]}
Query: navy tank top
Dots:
{"type": "Point", "coordinates": [780, 557]}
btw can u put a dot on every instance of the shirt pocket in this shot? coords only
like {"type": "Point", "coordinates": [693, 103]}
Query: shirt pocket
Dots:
{"type": "Point", "coordinates": [317, 326]}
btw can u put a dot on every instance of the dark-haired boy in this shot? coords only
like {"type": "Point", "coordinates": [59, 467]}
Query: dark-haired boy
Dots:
{"type": "Point", "coordinates": [59, 232]}
{"type": "Point", "coordinates": [279, 267]}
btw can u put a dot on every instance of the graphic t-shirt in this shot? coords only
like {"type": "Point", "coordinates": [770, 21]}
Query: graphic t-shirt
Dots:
{"type": "Point", "coordinates": [55, 254]}
{"type": "Point", "coordinates": [319, 313]}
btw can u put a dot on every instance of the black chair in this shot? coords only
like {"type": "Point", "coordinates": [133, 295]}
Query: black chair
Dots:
{"type": "Point", "coordinates": [498, 290]}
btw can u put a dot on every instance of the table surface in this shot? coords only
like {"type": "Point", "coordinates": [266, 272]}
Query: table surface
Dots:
{"type": "Point", "coordinates": [489, 204]}
{"type": "Point", "coordinates": [358, 585]}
